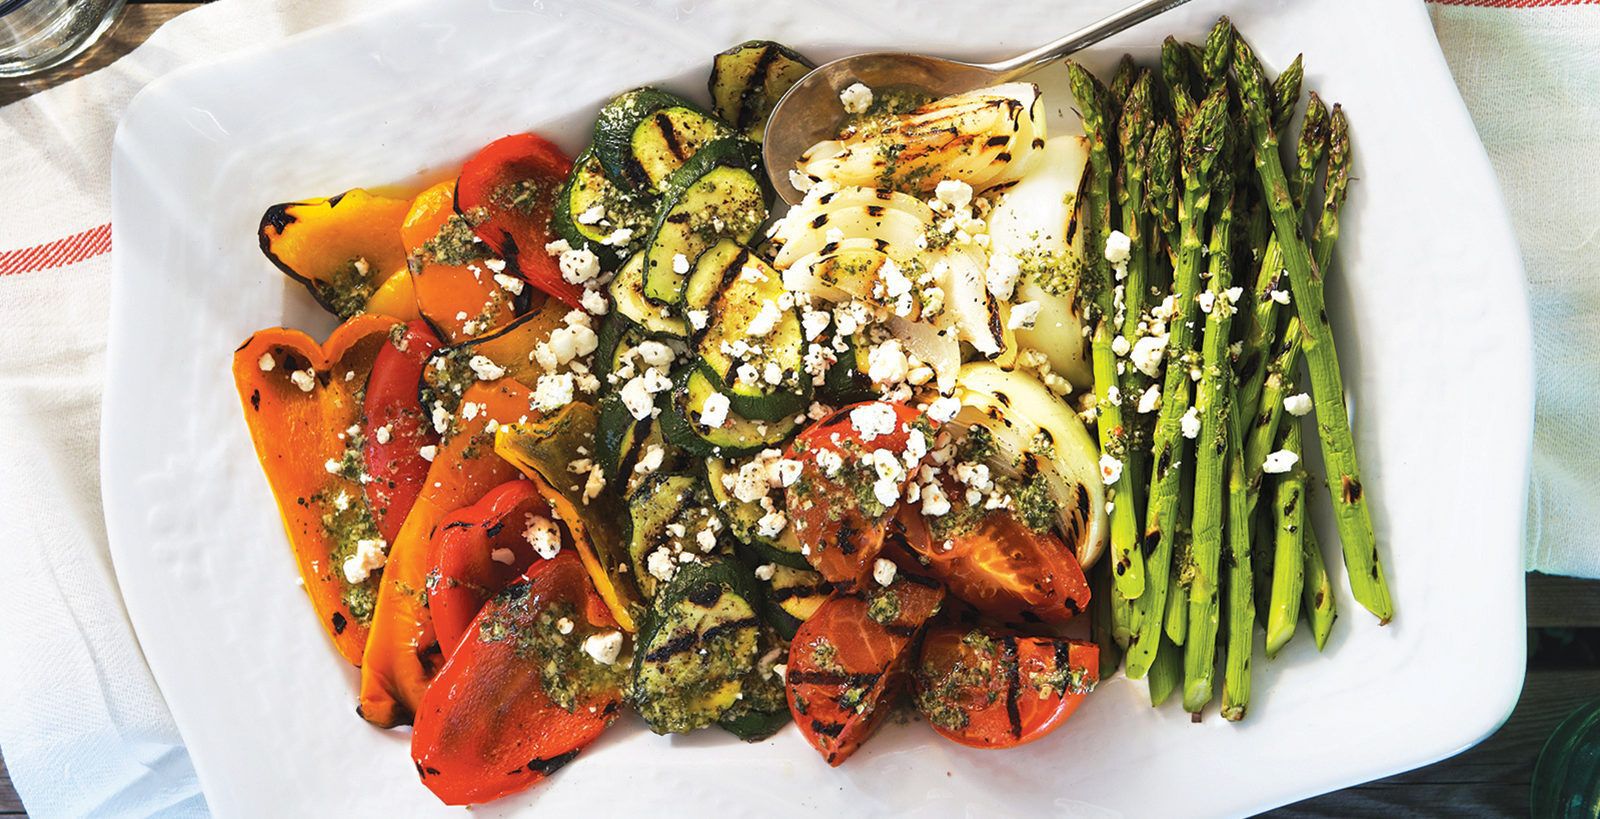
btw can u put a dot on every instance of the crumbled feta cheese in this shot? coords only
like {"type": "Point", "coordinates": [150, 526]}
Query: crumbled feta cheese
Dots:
{"type": "Point", "coordinates": [485, 368]}
{"type": "Point", "coordinates": [953, 192]}
{"type": "Point", "coordinates": [595, 302]}
{"type": "Point", "coordinates": [331, 465]}
{"type": "Point", "coordinates": [783, 472]}
{"type": "Point", "coordinates": [655, 354]}
{"type": "Point", "coordinates": [543, 534]}
{"type": "Point", "coordinates": [503, 555]}
{"type": "Point", "coordinates": [765, 321]}
{"type": "Point", "coordinates": [886, 363]}
{"type": "Point", "coordinates": [1147, 354]}
{"type": "Point", "coordinates": [510, 284]}
{"type": "Point", "coordinates": [564, 625]}
{"type": "Point", "coordinates": [578, 266]}
{"type": "Point", "coordinates": [428, 453]}
{"type": "Point", "coordinates": [680, 264]}
{"type": "Point", "coordinates": [660, 565]}
{"type": "Point", "coordinates": [706, 539]}
{"type": "Point", "coordinates": [886, 491]}
{"type": "Point", "coordinates": [829, 462]}
{"type": "Point", "coordinates": [1110, 469]}
{"type": "Point", "coordinates": [618, 237]}
{"type": "Point", "coordinates": [595, 485]}
{"type": "Point", "coordinates": [764, 571]}
{"type": "Point", "coordinates": [1003, 272]}
{"type": "Point", "coordinates": [1297, 405]}
{"type": "Point", "coordinates": [382, 434]}
{"type": "Point", "coordinates": [603, 648]}
{"type": "Point", "coordinates": [638, 395]}
{"type": "Point", "coordinates": [856, 99]}
{"type": "Point", "coordinates": [782, 670]}
{"type": "Point", "coordinates": [552, 392]}
{"type": "Point", "coordinates": [1279, 462]}
{"type": "Point", "coordinates": [593, 215]}
{"type": "Point", "coordinates": [651, 460]}
{"type": "Point", "coordinates": [1150, 399]}
{"type": "Point", "coordinates": [342, 502]}
{"type": "Point", "coordinates": [698, 319]}
{"type": "Point", "coordinates": [1025, 315]}
{"type": "Point", "coordinates": [883, 571]}
{"type": "Point", "coordinates": [1190, 423]}
{"type": "Point", "coordinates": [714, 412]}
{"type": "Point", "coordinates": [266, 363]}
{"type": "Point", "coordinates": [1234, 294]}
{"type": "Point", "coordinates": [872, 420]}
{"type": "Point", "coordinates": [943, 408]}
{"type": "Point", "coordinates": [369, 555]}
{"type": "Point", "coordinates": [771, 524]}
{"type": "Point", "coordinates": [1207, 300]}
{"type": "Point", "coordinates": [1118, 247]}
{"type": "Point", "coordinates": [1280, 296]}
{"type": "Point", "coordinates": [934, 501]}
{"type": "Point", "coordinates": [304, 379]}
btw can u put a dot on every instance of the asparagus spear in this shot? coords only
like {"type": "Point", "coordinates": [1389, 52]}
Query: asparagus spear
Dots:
{"type": "Point", "coordinates": [1165, 672]}
{"type": "Point", "coordinates": [1212, 449]}
{"type": "Point", "coordinates": [1177, 619]}
{"type": "Point", "coordinates": [1286, 93]}
{"type": "Point", "coordinates": [1127, 560]}
{"type": "Point", "coordinates": [1133, 138]}
{"type": "Point", "coordinates": [1218, 52]}
{"type": "Point", "coordinates": [1162, 199]}
{"type": "Point", "coordinates": [1241, 591]}
{"type": "Point", "coordinates": [1180, 75]}
{"type": "Point", "coordinates": [1263, 323]}
{"type": "Point", "coordinates": [1202, 139]}
{"type": "Point", "coordinates": [1362, 562]}
{"type": "Point", "coordinates": [1100, 620]}
{"type": "Point", "coordinates": [1318, 605]}
{"type": "Point", "coordinates": [1122, 78]}
{"type": "Point", "coordinates": [1288, 567]}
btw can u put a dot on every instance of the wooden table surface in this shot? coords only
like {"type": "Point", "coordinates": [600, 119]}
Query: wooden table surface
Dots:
{"type": "Point", "coordinates": [1489, 780]}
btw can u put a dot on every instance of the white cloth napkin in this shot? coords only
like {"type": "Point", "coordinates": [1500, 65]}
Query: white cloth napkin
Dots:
{"type": "Point", "coordinates": [1530, 75]}
{"type": "Point", "coordinates": [84, 729]}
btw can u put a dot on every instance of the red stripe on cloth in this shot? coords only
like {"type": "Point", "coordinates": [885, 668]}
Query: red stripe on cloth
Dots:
{"type": "Point", "coordinates": [59, 253]}
{"type": "Point", "coordinates": [1514, 4]}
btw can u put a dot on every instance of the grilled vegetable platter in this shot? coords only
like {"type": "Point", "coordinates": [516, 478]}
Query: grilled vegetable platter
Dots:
{"type": "Point", "coordinates": [989, 415]}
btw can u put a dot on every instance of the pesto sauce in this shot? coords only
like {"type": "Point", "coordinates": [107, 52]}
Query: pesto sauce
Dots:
{"type": "Point", "coordinates": [945, 698]}
{"type": "Point", "coordinates": [568, 675]}
{"type": "Point", "coordinates": [454, 245]}
{"type": "Point", "coordinates": [883, 607]}
{"type": "Point", "coordinates": [344, 528]}
{"type": "Point", "coordinates": [347, 290]}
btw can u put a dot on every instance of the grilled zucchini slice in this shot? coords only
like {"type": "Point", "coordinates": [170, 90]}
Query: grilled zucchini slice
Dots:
{"type": "Point", "coordinates": [743, 520]}
{"type": "Point", "coordinates": [719, 193]}
{"type": "Point", "coordinates": [627, 293]}
{"type": "Point", "coordinates": [646, 134]}
{"type": "Point", "coordinates": [591, 209]}
{"type": "Point", "coordinates": [748, 80]}
{"type": "Point", "coordinates": [699, 646]}
{"type": "Point", "coordinates": [749, 293]}
{"type": "Point", "coordinates": [793, 595]}
{"type": "Point", "coordinates": [681, 425]}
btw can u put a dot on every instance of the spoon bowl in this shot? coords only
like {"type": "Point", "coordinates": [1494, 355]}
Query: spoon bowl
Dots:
{"type": "Point", "coordinates": [811, 111]}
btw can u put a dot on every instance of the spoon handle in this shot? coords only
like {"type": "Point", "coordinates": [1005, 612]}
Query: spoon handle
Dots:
{"type": "Point", "coordinates": [1083, 37]}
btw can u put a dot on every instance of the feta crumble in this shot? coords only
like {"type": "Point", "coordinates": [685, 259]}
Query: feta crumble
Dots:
{"type": "Point", "coordinates": [1110, 469]}
{"type": "Point", "coordinates": [1279, 462]}
{"type": "Point", "coordinates": [1297, 405]}
{"type": "Point", "coordinates": [1190, 423]}
{"type": "Point", "coordinates": [883, 571]}
{"type": "Point", "coordinates": [604, 648]}
{"type": "Point", "coordinates": [856, 99]}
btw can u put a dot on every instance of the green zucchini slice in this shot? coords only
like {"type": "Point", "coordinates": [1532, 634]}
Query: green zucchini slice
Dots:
{"type": "Point", "coordinates": [774, 383]}
{"type": "Point", "coordinates": [646, 134]}
{"type": "Point", "coordinates": [793, 595]}
{"type": "Point", "coordinates": [719, 193]}
{"type": "Point", "coordinates": [627, 293]}
{"type": "Point", "coordinates": [699, 646]}
{"type": "Point", "coordinates": [591, 209]}
{"type": "Point", "coordinates": [665, 512]}
{"type": "Point", "coordinates": [749, 79]}
{"type": "Point", "coordinates": [743, 520]}
{"type": "Point", "coordinates": [681, 425]}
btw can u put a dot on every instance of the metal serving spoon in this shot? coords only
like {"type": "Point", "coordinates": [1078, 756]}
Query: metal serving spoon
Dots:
{"type": "Point", "coordinates": [811, 111]}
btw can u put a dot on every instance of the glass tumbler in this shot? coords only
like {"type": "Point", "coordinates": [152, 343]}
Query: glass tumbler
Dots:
{"type": "Point", "coordinates": [1566, 779]}
{"type": "Point", "coordinates": [40, 34]}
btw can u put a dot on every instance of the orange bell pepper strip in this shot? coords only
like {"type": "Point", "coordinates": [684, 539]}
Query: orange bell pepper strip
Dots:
{"type": "Point", "coordinates": [340, 247]}
{"type": "Point", "coordinates": [402, 652]}
{"type": "Point", "coordinates": [300, 399]}
{"type": "Point", "coordinates": [452, 278]}
{"type": "Point", "coordinates": [542, 449]}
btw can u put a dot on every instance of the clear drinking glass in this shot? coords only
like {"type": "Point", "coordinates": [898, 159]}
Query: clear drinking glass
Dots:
{"type": "Point", "coordinates": [1566, 779]}
{"type": "Point", "coordinates": [40, 34]}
